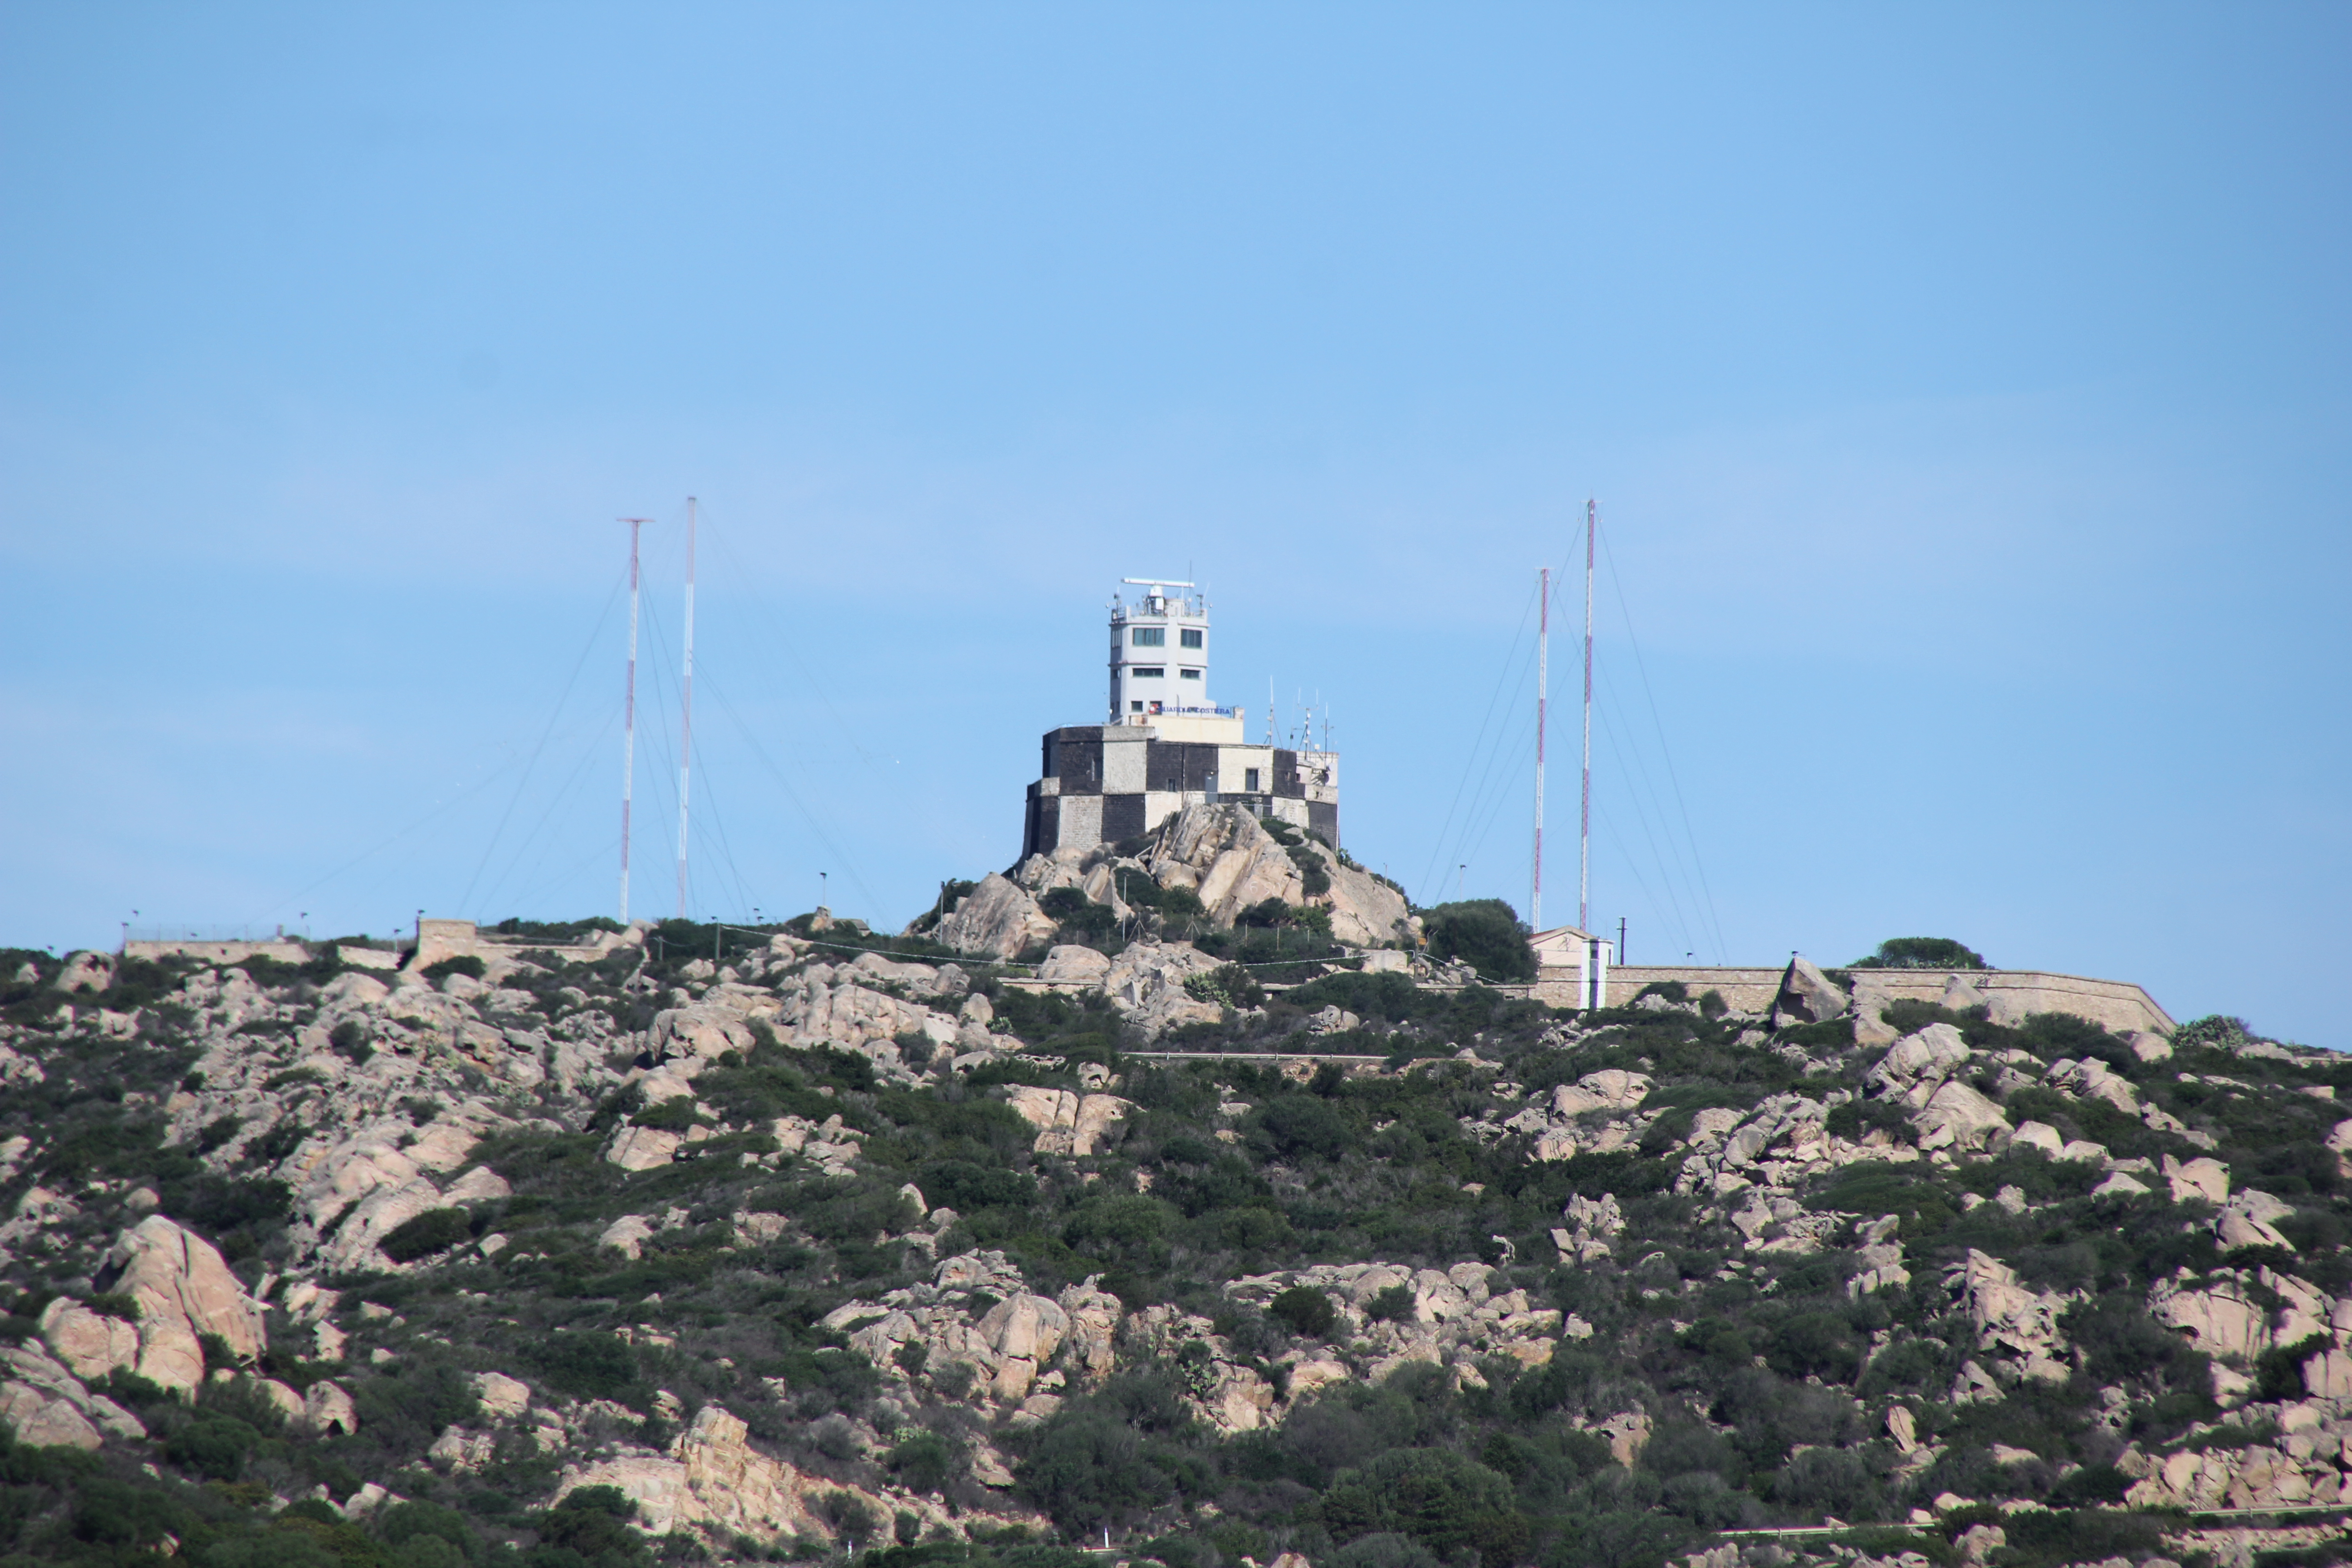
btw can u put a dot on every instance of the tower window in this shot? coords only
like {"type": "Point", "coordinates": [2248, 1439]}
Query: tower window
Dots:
{"type": "Point", "coordinates": [1189, 637]}
{"type": "Point", "coordinates": [1149, 637]}
{"type": "Point", "coordinates": [1146, 671]}
{"type": "Point", "coordinates": [1135, 707]}
{"type": "Point", "coordinates": [1190, 674]}
{"type": "Point", "coordinates": [1249, 780]}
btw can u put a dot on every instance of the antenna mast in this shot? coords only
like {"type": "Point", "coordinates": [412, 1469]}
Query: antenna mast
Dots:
{"type": "Point", "coordinates": [1543, 690]}
{"type": "Point", "coordinates": [1584, 833]}
{"type": "Point", "coordinates": [686, 732]}
{"type": "Point", "coordinates": [629, 718]}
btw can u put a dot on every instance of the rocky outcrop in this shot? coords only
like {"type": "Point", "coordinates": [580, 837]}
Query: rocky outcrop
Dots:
{"type": "Point", "coordinates": [2206, 1181]}
{"type": "Point", "coordinates": [827, 1006]}
{"type": "Point", "coordinates": [183, 1290]}
{"type": "Point", "coordinates": [2010, 1317]}
{"type": "Point", "coordinates": [1227, 857]}
{"type": "Point", "coordinates": [2339, 1143]}
{"type": "Point", "coordinates": [997, 919]}
{"type": "Point", "coordinates": [1560, 1123]}
{"type": "Point", "coordinates": [2094, 1079]}
{"type": "Point", "coordinates": [644, 1148]}
{"type": "Point", "coordinates": [1070, 964]}
{"type": "Point", "coordinates": [91, 1344]}
{"type": "Point", "coordinates": [1024, 1332]}
{"type": "Point", "coordinates": [327, 1411]}
{"type": "Point", "coordinates": [2245, 1220]}
{"type": "Point", "coordinates": [1590, 1224]}
{"type": "Point", "coordinates": [383, 1177]}
{"type": "Point", "coordinates": [502, 1398]}
{"type": "Point", "coordinates": [705, 1029]}
{"type": "Point", "coordinates": [1146, 983]}
{"type": "Point", "coordinates": [1929, 1056]}
{"type": "Point", "coordinates": [47, 1406]}
{"type": "Point", "coordinates": [1957, 1117]}
{"type": "Point", "coordinates": [1068, 1124]}
{"type": "Point", "coordinates": [2304, 1465]}
{"type": "Point", "coordinates": [1806, 995]}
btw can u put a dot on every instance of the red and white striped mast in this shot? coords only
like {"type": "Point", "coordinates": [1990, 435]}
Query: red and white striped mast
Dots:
{"type": "Point", "coordinates": [1584, 836]}
{"type": "Point", "coordinates": [686, 728]}
{"type": "Point", "coordinates": [1543, 690]}
{"type": "Point", "coordinates": [629, 718]}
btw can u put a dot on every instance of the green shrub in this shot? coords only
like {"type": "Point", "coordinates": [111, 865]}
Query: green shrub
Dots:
{"type": "Point", "coordinates": [1305, 1124]}
{"type": "Point", "coordinates": [847, 1513]}
{"type": "Point", "coordinates": [1484, 934]}
{"type": "Point", "coordinates": [1436, 1495]}
{"type": "Point", "coordinates": [923, 1462]}
{"type": "Point", "coordinates": [1393, 1304]}
{"type": "Point", "coordinates": [435, 1230]}
{"type": "Point", "coordinates": [1228, 984]}
{"type": "Point", "coordinates": [406, 1521]}
{"type": "Point", "coordinates": [465, 963]}
{"type": "Point", "coordinates": [1308, 1312]}
{"type": "Point", "coordinates": [2214, 1031]}
{"type": "Point", "coordinates": [591, 1365]}
{"type": "Point", "coordinates": [592, 1522]}
{"type": "Point", "coordinates": [1077, 916]}
{"type": "Point", "coordinates": [1921, 953]}
{"type": "Point", "coordinates": [214, 1446]}
{"type": "Point", "coordinates": [349, 1039]}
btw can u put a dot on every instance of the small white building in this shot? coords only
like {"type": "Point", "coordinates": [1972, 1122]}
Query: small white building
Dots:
{"type": "Point", "coordinates": [1565, 953]}
{"type": "Point", "coordinates": [1159, 653]}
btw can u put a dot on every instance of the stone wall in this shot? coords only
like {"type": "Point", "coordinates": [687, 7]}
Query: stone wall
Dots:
{"type": "Point", "coordinates": [2118, 1004]}
{"type": "Point", "coordinates": [285, 951]}
{"type": "Point", "coordinates": [442, 939]}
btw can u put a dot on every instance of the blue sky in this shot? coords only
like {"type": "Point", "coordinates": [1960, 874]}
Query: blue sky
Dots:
{"type": "Point", "coordinates": [1965, 390]}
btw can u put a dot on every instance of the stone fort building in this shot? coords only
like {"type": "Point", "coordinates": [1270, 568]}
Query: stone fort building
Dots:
{"type": "Point", "coordinates": [1165, 744]}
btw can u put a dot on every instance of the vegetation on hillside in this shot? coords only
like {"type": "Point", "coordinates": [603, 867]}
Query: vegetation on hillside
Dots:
{"type": "Point", "coordinates": [1756, 1373]}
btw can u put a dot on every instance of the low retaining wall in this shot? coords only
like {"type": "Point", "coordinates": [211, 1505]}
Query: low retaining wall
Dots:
{"type": "Point", "coordinates": [442, 939]}
{"type": "Point", "coordinates": [286, 951]}
{"type": "Point", "coordinates": [2117, 1004]}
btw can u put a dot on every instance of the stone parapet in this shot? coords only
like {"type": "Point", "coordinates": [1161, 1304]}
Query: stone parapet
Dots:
{"type": "Point", "coordinates": [2118, 1004]}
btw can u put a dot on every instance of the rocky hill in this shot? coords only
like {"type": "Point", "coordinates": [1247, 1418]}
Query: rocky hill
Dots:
{"type": "Point", "coordinates": [1216, 1234]}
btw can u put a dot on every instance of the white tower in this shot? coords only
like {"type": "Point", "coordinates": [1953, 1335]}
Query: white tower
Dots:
{"type": "Point", "coordinates": [1159, 653]}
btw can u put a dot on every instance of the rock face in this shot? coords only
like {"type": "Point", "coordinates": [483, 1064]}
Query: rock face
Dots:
{"type": "Point", "coordinates": [183, 1290]}
{"type": "Point", "coordinates": [1807, 995]}
{"type": "Point", "coordinates": [1931, 1055]}
{"type": "Point", "coordinates": [48, 1406]}
{"type": "Point", "coordinates": [1146, 983]}
{"type": "Point", "coordinates": [998, 918]}
{"type": "Point", "coordinates": [1067, 963]}
{"type": "Point", "coordinates": [1228, 857]}
{"type": "Point", "coordinates": [1365, 911]}
{"type": "Point", "coordinates": [2010, 1317]}
{"type": "Point", "coordinates": [1069, 1123]}
{"type": "Point", "coordinates": [1957, 1117]}
{"type": "Point", "coordinates": [92, 1346]}
{"type": "Point", "coordinates": [714, 1479]}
